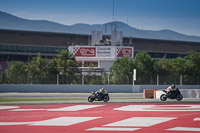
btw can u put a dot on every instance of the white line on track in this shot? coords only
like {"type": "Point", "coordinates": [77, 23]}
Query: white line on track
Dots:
{"type": "Point", "coordinates": [27, 109]}
{"type": "Point", "coordinates": [63, 121]}
{"type": "Point", "coordinates": [70, 108]}
{"type": "Point", "coordinates": [60, 121]}
{"type": "Point", "coordinates": [141, 121]}
{"type": "Point", "coordinates": [75, 108]}
{"type": "Point", "coordinates": [197, 119]}
{"type": "Point", "coordinates": [112, 129]}
{"type": "Point", "coordinates": [8, 107]}
{"type": "Point", "coordinates": [159, 108]}
{"type": "Point", "coordinates": [184, 129]}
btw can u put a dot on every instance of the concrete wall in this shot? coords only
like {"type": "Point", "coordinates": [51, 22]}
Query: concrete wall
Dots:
{"type": "Point", "coordinates": [187, 93]}
{"type": "Point", "coordinates": [66, 88]}
{"type": "Point", "coordinates": [84, 88]}
{"type": "Point", "coordinates": [193, 93]}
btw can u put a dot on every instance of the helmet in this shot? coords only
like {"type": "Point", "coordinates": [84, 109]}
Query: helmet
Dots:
{"type": "Point", "coordinates": [173, 86]}
{"type": "Point", "coordinates": [102, 90]}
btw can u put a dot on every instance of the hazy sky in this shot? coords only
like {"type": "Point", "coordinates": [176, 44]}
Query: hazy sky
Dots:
{"type": "Point", "coordinates": [182, 16]}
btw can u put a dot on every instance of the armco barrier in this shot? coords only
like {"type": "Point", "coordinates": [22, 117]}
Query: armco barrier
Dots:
{"type": "Point", "coordinates": [67, 88]}
{"type": "Point", "coordinates": [85, 88]}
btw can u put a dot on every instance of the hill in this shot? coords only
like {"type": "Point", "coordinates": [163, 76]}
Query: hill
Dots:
{"type": "Point", "coordinates": [8, 21]}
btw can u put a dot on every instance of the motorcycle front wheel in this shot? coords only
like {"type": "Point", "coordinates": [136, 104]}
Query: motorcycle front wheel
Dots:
{"type": "Point", "coordinates": [179, 97]}
{"type": "Point", "coordinates": [163, 97]}
{"type": "Point", "coordinates": [90, 99]}
{"type": "Point", "coordinates": [106, 98]}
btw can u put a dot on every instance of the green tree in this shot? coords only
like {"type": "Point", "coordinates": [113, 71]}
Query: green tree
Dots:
{"type": "Point", "coordinates": [52, 67]}
{"type": "Point", "coordinates": [16, 74]}
{"type": "Point", "coordinates": [191, 69]}
{"type": "Point", "coordinates": [104, 78]}
{"type": "Point", "coordinates": [65, 65]}
{"type": "Point", "coordinates": [178, 66]}
{"type": "Point", "coordinates": [168, 70]}
{"type": "Point", "coordinates": [122, 70]}
{"type": "Point", "coordinates": [144, 65]}
{"type": "Point", "coordinates": [37, 69]}
{"type": "Point", "coordinates": [92, 78]}
{"type": "Point", "coordinates": [192, 63]}
{"type": "Point", "coordinates": [164, 67]}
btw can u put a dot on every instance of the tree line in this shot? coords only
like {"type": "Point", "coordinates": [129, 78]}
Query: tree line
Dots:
{"type": "Point", "coordinates": [41, 70]}
{"type": "Point", "coordinates": [188, 66]}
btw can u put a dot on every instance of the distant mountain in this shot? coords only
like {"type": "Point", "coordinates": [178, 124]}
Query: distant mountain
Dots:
{"type": "Point", "coordinates": [8, 21]}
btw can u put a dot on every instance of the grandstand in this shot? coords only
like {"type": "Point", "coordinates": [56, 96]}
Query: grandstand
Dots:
{"type": "Point", "coordinates": [16, 45]}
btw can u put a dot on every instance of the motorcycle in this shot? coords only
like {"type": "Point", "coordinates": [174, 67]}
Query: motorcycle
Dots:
{"type": "Point", "coordinates": [175, 94]}
{"type": "Point", "coordinates": [98, 97]}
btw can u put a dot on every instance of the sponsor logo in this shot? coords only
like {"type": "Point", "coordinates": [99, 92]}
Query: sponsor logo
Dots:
{"type": "Point", "coordinates": [85, 52]}
{"type": "Point", "coordinates": [124, 52]}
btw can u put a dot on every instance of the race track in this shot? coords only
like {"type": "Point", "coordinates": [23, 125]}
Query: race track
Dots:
{"type": "Point", "coordinates": [100, 117]}
{"type": "Point", "coordinates": [114, 98]}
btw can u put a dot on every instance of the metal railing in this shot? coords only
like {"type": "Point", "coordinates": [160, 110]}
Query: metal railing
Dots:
{"type": "Point", "coordinates": [101, 80]}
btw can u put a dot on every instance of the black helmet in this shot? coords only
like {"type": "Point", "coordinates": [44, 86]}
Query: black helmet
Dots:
{"type": "Point", "coordinates": [173, 86]}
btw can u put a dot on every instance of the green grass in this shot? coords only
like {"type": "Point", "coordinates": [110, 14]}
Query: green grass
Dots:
{"type": "Point", "coordinates": [45, 99]}
{"type": "Point", "coordinates": [34, 99]}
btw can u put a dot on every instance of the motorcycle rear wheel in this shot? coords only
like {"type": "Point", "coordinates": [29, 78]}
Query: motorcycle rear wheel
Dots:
{"type": "Point", "coordinates": [163, 97]}
{"type": "Point", "coordinates": [179, 97]}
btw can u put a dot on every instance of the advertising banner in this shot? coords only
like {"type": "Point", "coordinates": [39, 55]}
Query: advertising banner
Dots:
{"type": "Point", "coordinates": [84, 51]}
{"type": "Point", "coordinates": [102, 51]}
{"type": "Point", "coordinates": [124, 52]}
{"type": "Point", "coordinates": [105, 51]}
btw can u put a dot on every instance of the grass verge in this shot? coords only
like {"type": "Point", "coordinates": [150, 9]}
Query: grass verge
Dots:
{"type": "Point", "coordinates": [34, 99]}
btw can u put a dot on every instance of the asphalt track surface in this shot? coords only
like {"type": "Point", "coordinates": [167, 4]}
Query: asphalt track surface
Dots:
{"type": "Point", "coordinates": [114, 98]}
{"type": "Point", "coordinates": [66, 95]}
{"type": "Point", "coordinates": [101, 118]}
{"type": "Point", "coordinates": [125, 112]}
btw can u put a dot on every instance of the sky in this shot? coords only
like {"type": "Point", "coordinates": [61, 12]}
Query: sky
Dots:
{"type": "Point", "coordinates": [182, 16]}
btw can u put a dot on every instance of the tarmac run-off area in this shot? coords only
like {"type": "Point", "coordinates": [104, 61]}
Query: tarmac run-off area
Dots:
{"type": "Point", "coordinates": [100, 117]}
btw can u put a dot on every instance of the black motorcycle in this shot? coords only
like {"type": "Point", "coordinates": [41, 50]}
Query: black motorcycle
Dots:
{"type": "Point", "coordinates": [99, 97]}
{"type": "Point", "coordinates": [175, 94]}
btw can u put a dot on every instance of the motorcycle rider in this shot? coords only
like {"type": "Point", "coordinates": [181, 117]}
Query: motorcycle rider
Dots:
{"type": "Point", "coordinates": [100, 92]}
{"type": "Point", "coordinates": [171, 89]}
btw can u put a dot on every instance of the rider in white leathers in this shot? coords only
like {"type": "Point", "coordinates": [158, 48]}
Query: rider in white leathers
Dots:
{"type": "Point", "coordinates": [171, 88]}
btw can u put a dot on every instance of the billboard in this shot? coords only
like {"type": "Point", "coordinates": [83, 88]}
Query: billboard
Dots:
{"type": "Point", "coordinates": [124, 52]}
{"type": "Point", "coordinates": [102, 51]}
{"type": "Point", "coordinates": [105, 51]}
{"type": "Point", "coordinates": [84, 51]}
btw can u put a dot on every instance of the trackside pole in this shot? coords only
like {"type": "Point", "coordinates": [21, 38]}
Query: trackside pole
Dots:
{"type": "Point", "coordinates": [108, 79]}
{"type": "Point", "coordinates": [57, 79]}
{"type": "Point", "coordinates": [83, 79]}
{"type": "Point", "coordinates": [181, 80]}
{"type": "Point", "coordinates": [134, 76]}
{"type": "Point", "coordinates": [157, 79]}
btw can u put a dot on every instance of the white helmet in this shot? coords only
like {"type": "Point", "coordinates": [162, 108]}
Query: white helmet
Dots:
{"type": "Point", "coordinates": [102, 90]}
{"type": "Point", "coordinates": [173, 86]}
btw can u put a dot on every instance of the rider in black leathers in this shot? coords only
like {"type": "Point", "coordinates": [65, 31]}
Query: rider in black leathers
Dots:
{"type": "Point", "coordinates": [100, 92]}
